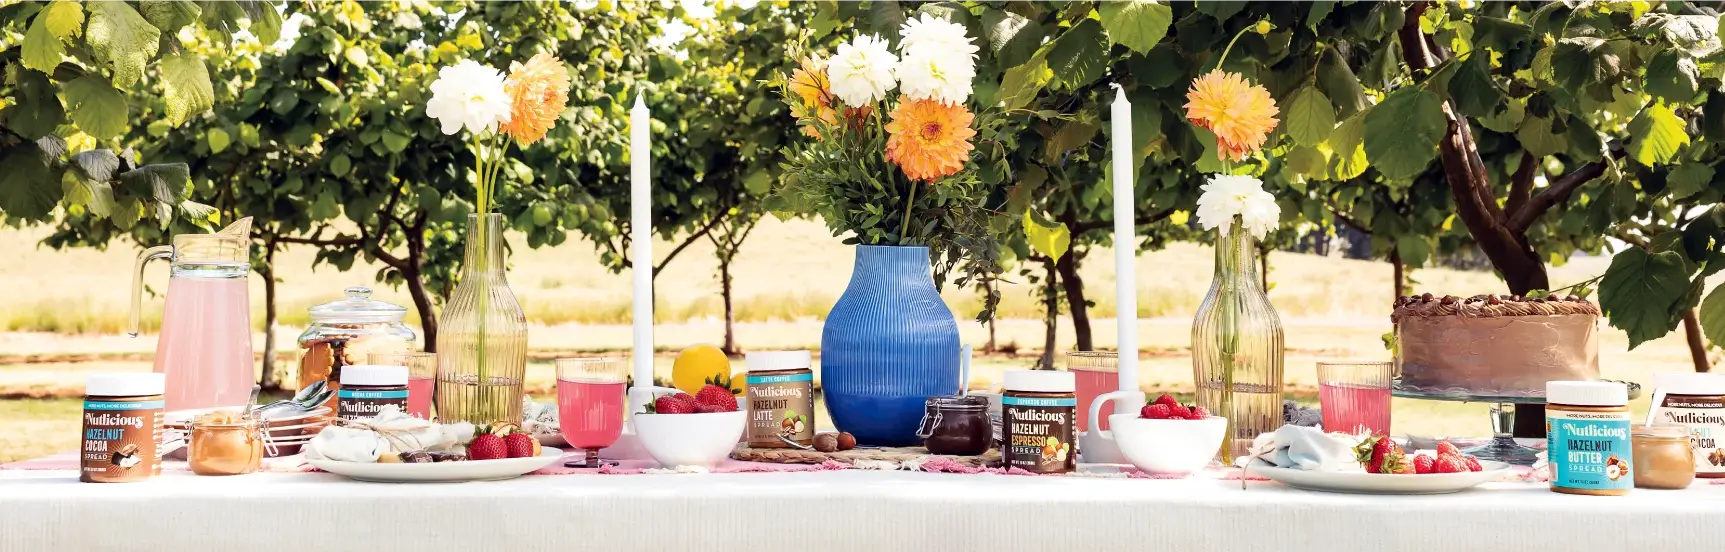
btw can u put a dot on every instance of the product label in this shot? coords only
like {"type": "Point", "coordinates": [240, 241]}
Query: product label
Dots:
{"type": "Point", "coordinates": [1589, 450]}
{"type": "Point", "coordinates": [1705, 418]}
{"type": "Point", "coordinates": [121, 439]}
{"type": "Point", "coordinates": [354, 404]}
{"type": "Point", "coordinates": [1039, 433]}
{"type": "Point", "coordinates": [781, 407]}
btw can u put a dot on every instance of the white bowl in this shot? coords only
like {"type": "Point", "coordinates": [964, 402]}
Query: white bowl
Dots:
{"type": "Point", "coordinates": [1174, 447]}
{"type": "Point", "coordinates": [690, 439]}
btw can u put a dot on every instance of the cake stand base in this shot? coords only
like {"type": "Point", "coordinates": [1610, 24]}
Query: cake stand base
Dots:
{"type": "Point", "coordinates": [1503, 447]}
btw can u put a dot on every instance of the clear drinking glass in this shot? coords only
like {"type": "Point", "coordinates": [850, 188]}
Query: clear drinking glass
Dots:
{"type": "Point", "coordinates": [1097, 372]}
{"type": "Point", "coordinates": [421, 378]}
{"type": "Point", "coordinates": [590, 404]}
{"type": "Point", "coordinates": [1355, 395]}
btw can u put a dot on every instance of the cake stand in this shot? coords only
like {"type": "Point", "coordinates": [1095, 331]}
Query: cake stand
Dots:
{"type": "Point", "coordinates": [1502, 447]}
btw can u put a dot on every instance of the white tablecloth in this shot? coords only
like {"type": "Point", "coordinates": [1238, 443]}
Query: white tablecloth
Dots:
{"type": "Point", "coordinates": [828, 512]}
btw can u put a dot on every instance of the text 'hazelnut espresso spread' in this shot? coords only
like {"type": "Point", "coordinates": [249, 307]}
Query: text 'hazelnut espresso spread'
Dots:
{"type": "Point", "coordinates": [1040, 410]}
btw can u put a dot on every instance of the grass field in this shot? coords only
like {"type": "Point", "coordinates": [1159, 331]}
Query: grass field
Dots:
{"type": "Point", "coordinates": [68, 320]}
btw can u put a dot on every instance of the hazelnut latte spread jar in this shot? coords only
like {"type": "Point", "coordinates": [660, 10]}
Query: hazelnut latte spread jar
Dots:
{"type": "Point", "coordinates": [122, 428]}
{"type": "Point", "coordinates": [1587, 437]}
{"type": "Point", "coordinates": [1695, 401]}
{"type": "Point", "coordinates": [366, 389]}
{"type": "Point", "coordinates": [1040, 416]}
{"type": "Point", "coordinates": [780, 391]}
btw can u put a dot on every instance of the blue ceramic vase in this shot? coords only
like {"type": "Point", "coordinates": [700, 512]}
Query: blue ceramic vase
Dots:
{"type": "Point", "coordinates": [888, 344]}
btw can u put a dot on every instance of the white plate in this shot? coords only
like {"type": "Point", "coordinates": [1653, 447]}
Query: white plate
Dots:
{"type": "Point", "coordinates": [1375, 483]}
{"type": "Point", "coordinates": [440, 472]}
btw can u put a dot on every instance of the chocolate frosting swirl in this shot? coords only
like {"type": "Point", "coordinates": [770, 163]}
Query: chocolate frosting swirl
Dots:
{"type": "Point", "coordinates": [1489, 306]}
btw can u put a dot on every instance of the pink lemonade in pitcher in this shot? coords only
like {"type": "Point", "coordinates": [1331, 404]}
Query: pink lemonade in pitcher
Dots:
{"type": "Point", "coordinates": [1347, 408]}
{"type": "Point", "coordinates": [1091, 384]}
{"type": "Point", "coordinates": [419, 396]}
{"type": "Point", "coordinates": [590, 413]}
{"type": "Point", "coordinates": [205, 345]}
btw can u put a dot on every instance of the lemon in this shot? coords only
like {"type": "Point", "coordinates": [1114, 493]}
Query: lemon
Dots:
{"type": "Point", "coordinates": [700, 365]}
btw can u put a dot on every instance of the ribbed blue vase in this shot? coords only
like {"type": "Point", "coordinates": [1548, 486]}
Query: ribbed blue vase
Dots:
{"type": "Point", "coordinates": [889, 343]}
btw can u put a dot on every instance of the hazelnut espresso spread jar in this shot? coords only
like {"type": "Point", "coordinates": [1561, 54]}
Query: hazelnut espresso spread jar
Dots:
{"type": "Point", "coordinates": [780, 392]}
{"type": "Point", "coordinates": [122, 428]}
{"type": "Point", "coordinates": [1587, 437]}
{"type": "Point", "coordinates": [1040, 413]}
{"type": "Point", "coordinates": [366, 389]}
{"type": "Point", "coordinates": [1694, 401]}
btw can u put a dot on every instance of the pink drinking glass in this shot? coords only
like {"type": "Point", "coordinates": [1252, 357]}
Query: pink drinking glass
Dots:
{"type": "Point", "coordinates": [1355, 395]}
{"type": "Point", "coordinates": [590, 404]}
{"type": "Point", "coordinates": [421, 378]}
{"type": "Point", "coordinates": [1097, 373]}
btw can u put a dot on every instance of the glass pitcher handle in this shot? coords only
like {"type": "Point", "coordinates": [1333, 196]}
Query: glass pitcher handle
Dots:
{"type": "Point", "coordinates": [157, 252]}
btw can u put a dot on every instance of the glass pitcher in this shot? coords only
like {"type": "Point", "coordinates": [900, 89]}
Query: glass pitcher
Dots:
{"type": "Point", "coordinates": [205, 346]}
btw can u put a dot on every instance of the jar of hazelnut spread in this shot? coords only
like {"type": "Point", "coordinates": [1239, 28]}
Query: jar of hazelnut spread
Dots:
{"type": "Point", "coordinates": [122, 428]}
{"type": "Point", "coordinates": [780, 390]}
{"type": "Point", "coordinates": [1040, 416]}
{"type": "Point", "coordinates": [366, 389]}
{"type": "Point", "coordinates": [956, 425]}
{"type": "Point", "coordinates": [1587, 437]}
{"type": "Point", "coordinates": [1695, 401]}
{"type": "Point", "coordinates": [1663, 458]}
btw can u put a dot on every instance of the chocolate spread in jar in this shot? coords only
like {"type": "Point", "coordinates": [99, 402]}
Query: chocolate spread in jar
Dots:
{"type": "Point", "coordinates": [122, 428]}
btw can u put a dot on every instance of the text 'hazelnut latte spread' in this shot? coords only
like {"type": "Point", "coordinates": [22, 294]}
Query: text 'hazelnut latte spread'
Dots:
{"type": "Point", "coordinates": [122, 428]}
{"type": "Point", "coordinates": [780, 391]}
{"type": "Point", "coordinates": [1040, 409]}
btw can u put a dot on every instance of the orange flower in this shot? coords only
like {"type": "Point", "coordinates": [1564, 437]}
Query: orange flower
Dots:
{"type": "Point", "coordinates": [538, 92]}
{"type": "Point", "coordinates": [1241, 114]}
{"type": "Point", "coordinates": [814, 95]}
{"type": "Point", "coordinates": [929, 140]}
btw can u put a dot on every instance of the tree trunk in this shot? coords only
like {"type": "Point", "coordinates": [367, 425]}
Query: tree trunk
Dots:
{"type": "Point", "coordinates": [1264, 266]}
{"type": "Point", "coordinates": [1075, 302]}
{"type": "Point", "coordinates": [269, 381]}
{"type": "Point", "coordinates": [993, 344]}
{"type": "Point", "coordinates": [1697, 345]}
{"type": "Point", "coordinates": [1401, 278]}
{"type": "Point", "coordinates": [730, 314]}
{"type": "Point", "coordinates": [1051, 318]}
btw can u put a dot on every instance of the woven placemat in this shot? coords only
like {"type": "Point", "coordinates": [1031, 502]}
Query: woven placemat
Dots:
{"type": "Point", "coordinates": [889, 454]}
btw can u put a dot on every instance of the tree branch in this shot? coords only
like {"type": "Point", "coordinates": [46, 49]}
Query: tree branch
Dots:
{"type": "Point", "coordinates": [1558, 192]}
{"type": "Point", "coordinates": [685, 245]}
{"type": "Point", "coordinates": [1082, 227]}
{"type": "Point", "coordinates": [1521, 183]}
{"type": "Point", "coordinates": [1334, 212]}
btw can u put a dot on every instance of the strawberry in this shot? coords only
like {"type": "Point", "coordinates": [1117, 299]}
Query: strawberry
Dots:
{"type": "Point", "coordinates": [1198, 413]}
{"type": "Point", "coordinates": [1156, 411]}
{"type": "Point", "coordinates": [1377, 453]}
{"type": "Point", "coordinates": [711, 408]}
{"type": "Point", "coordinates": [518, 445]}
{"type": "Point", "coordinates": [1473, 464]}
{"type": "Point", "coordinates": [1445, 448]}
{"type": "Point", "coordinates": [1450, 464]}
{"type": "Point", "coordinates": [1167, 400]}
{"type": "Point", "coordinates": [1424, 464]}
{"type": "Point", "coordinates": [487, 447]}
{"type": "Point", "coordinates": [716, 396]}
{"type": "Point", "coordinates": [1399, 463]}
{"type": "Point", "coordinates": [1179, 412]}
{"type": "Point", "coordinates": [674, 404]}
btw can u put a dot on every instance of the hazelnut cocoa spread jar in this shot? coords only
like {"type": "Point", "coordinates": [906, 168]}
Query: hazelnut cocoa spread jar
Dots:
{"type": "Point", "coordinates": [780, 391]}
{"type": "Point", "coordinates": [956, 425]}
{"type": "Point", "coordinates": [1694, 401]}
{"type": "Point", "coordinates": [366, 389]}
{"type": "Point", "coordinates": [1663, 459]}
{"type": "Point", "coordinates": [122, 428]}
{"type": "Point", "coordinates": [1587, 437]}
{"type": "Point", "coordinates": [1040, 411]}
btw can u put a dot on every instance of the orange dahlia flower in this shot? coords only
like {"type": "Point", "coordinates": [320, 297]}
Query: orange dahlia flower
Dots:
{"type": "Point", "coordinates": [929, 140]}
{"type": "Point", "coordinates": [814, 95]}
{"type": "Point", "coordinates": [1241, 114]}
{"type": "Point", "coordinates": [538, 92]}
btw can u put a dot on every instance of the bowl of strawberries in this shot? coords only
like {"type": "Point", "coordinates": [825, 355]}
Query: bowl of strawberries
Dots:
{"type": "Point", "coordinates": [680, 429]}
{"type": "Point", "coordinates": [1167, 437]}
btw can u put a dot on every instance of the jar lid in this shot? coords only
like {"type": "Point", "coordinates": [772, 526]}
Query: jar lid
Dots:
{"type": "Point", "coordinates": [770, 361]}
{"type": "Point", "coordinates": [372, 374]}
{"type": "Point", "coordinates": [1689, 383]}
{"type": "Point", "coordinates": [125, 384]}
{"type": "Point", "coordinates": [1660, 431]}
{"type": "Point", "coordinates": [357, 308]}
{"type": "Point", "coordinates": [1040, 381]}
{"type": "Point", "coordinates": [959, 402]}
{"type": "Point", "coordinates": [1586, 393]}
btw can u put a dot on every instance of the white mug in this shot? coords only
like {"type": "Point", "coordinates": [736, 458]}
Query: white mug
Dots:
{"type": "Point", "coordinates": [1097, 446]}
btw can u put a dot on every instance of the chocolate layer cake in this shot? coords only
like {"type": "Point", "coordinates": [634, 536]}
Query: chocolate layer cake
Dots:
{"type": "Point", "coordinates": [1495, 344]}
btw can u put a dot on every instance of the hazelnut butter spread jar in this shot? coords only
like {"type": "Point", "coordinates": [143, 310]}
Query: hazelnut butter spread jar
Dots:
{"type": "Point", "coordinates": [366, 389]}
{"type": "Point", "coordinates": [1040, 415]}
{"type": "Point", "coordinates": [122, 428]}
{"type": "Point", "coordinates": [1695, 401]}
{"type": "Point", "coordinates": [1587, 437]}
{"type": "Point", "coordinates": [780, 391]}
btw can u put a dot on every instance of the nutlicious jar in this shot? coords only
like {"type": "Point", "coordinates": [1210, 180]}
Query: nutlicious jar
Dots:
{"type": "Point", "coordinates": [224, 443]}
{"type": "Point", "coordinates": [122, 428]}
{"type": "Point", "coordinates": [346, 332]}
{"type": "Point", "coordinates": [366, 389]}
{"type": "Point", "coordinates": [1587, 437]}
{"type": "Point", "coordinates": [1041, 407]}
{"type": "Point", "coordinates": [1695, 401]}
{"type": "Point", "coordinates": [1663, 458]}
{"type": "Point", "coordinates": [780, 391]}
{"type": "Point", "coordinates": [956, 425]}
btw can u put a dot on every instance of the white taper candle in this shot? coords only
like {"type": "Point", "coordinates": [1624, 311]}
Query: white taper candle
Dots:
{"type": "Point", "coordinates": [1125, 248]}
{"type": "Point", "coordinates": [641, 242]}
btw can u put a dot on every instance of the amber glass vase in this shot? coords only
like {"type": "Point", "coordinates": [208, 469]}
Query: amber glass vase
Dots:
{"type": "Point", "coordinates": [482, 336]}
{"type": "Point", "coordinates": [1237, 346]}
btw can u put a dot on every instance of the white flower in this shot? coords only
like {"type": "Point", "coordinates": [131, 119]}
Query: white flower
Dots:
{"type": "Point", "coordinates": [936, 75]}
{"type": "Point", "coordinates": [862, 71]}
{"type": "Point", "coordinates": [930, 33]}
{"type": "Point", "coordinates": [470, 95]}
{"type": "Point", "coordinates": [1227, 196]}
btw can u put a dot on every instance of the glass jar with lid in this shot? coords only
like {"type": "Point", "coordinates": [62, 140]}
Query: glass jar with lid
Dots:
{"type": "Point", "coordinates": [956, 425]}
{"type": "Point", "coordinates": [346, 332]}
{"type": "Point", "coordinates": [1662, 457]}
